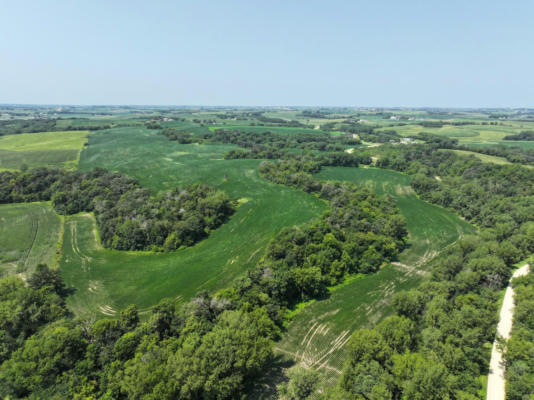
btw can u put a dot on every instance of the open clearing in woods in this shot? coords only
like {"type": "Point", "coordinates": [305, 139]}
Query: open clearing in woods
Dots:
{"type": "Point", "coordinates": [107, 280]}
{"type": "Point", "coordinates": [28, 236]}
{"type": "Point", "coordinates": [316, 336]}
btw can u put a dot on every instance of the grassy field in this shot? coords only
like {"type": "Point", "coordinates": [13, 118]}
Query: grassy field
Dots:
{"type": "Point", "coordinates": [316, 336]}
{"type": "Point", "coordinates": [106, 281]}
{"type": "Point", "coordinates": [28, 236]}
{"type": "Point", "coordinates": [41, 149]}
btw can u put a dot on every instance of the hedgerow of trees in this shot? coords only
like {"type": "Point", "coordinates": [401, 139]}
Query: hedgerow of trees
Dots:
{"type": "Point", "coordinates": [523, 135]}
{"type": "Point", "coordinates": [128, 217]}
{"type": "Point", "coordinates": [15, 126]}
{"type": "Point", "coordinates": [272, 145]}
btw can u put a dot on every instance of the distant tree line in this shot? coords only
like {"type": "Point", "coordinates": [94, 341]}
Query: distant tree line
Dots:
{"type": "Point", "coordinates": [128, 216]}
{"type": "Point", "coordinates": [369, 133]}
{"type": "Point", "coordinates": [271, 145]}
{"type": "Point", "coordinates": [15, 126]}
{"type": "Point", "coordinates": [315, 114]}
{"type": "Point", "coordinates": [180, 135]}
{"type": "Point", "coordinates": [263, 119]}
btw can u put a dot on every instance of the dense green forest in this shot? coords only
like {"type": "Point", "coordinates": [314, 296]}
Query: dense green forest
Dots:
{"type": "Point", "coordinates": [357, 234]}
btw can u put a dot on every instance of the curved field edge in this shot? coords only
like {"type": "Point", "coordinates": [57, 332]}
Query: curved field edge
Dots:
{"type": "Point", "coordinates": [106, 280]}
{"type": "Point", "coordinates": [29, 235]}
{"type": "Point", "coordinates": [316, 336]}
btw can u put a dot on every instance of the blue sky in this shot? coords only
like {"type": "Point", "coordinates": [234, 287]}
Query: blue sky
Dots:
{"type": "Point", "coordinates": [332, 53]}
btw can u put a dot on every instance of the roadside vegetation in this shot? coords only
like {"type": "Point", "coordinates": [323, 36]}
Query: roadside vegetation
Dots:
{"type": "Point", "coordinates": [519, 354]}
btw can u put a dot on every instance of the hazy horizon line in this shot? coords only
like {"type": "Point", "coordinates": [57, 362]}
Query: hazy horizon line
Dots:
{"type": "Point", "coordinates": [267, 106]}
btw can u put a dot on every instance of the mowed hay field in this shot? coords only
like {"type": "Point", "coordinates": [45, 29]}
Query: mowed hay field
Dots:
{"type": "Point", "coordinates": [41, 149]}
{"type": "Point", "coordinates": [317, 334]}
{"type": "Point", "coordinates": [29, 233]}
{"type": "Point", "coordinates": [105, 281]}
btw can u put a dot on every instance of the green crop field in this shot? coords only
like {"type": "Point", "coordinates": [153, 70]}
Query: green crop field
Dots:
{"type": "Point", "coordinates": [28, 236]}
{"type": "Point", "coordinates": [41, 149]}
{"type": "Point", "coordinates": [10, 160]}
{"type": "Point", "coordinates": [65, 140]}
{"type": "Point", "coordinates": [316, 336]}
{"type": "Point", "coordinates": [107, 280]}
